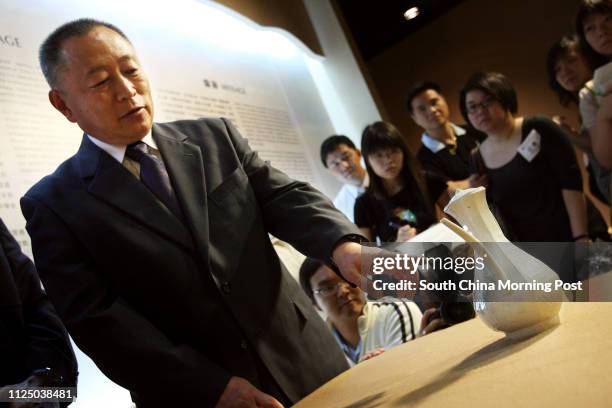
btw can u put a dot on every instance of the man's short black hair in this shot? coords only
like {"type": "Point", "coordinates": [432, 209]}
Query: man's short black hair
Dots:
{"type": "Point", "coordinates": [49, 54]}
{"type": "Point", "coordinates": [493, 84]}
{"type": "Point", "coordinates": [332, 143]}
{"type": "Point", "coordinates": [417, 89]}
{"type": "Point", "coordinates": [309, 267]}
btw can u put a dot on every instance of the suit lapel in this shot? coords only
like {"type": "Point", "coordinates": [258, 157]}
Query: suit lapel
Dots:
{"type": "Point", "coordinates": [185, 165]}
{"type": "Point", "coordinates": [114, 184]}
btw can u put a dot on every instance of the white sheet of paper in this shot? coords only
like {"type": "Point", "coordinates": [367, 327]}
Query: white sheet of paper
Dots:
{"type": "Point", "coordinates": [437, 233]}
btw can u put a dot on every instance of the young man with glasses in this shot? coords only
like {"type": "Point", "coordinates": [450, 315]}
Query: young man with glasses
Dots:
{"type": "Point", "coordinates": [340, 156]}
{"type": "Point", "coordinates": [363, 329]}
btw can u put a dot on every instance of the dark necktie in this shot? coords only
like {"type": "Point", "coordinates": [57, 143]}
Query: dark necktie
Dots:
{"type": "Point", "coordinates": [154, 175]}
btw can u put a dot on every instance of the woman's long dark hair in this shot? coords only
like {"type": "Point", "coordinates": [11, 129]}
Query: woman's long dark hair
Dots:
{"type": "Point", "coordinates": [562, 49]}
{"type": "Point", "coordinates": [382, 136]}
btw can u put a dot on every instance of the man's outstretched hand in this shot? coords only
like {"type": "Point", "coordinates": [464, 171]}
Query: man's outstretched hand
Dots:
{"type": "Point", "coordinates": [347, 257]}
{"type": "Point", "coordinates": [356, 262]}
{"type": "Point", "coordinates": [239, 393]}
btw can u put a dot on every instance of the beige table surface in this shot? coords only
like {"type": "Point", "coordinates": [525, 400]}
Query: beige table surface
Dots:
{"type": "Point", "coordinates": [470, 365]}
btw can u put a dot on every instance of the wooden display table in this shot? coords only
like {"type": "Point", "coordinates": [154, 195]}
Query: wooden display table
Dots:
{"type": "Point", "coordinates": [470, 365]}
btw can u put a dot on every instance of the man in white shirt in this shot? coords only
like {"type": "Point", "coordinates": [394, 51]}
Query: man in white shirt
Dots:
{"type": "Point", "coordinates": [340, 156]}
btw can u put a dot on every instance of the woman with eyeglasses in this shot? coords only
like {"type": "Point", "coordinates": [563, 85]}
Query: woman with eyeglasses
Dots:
{"type": "Point", "coordinates": [398, 203]}
{"type": "Point", "coordinates": [533, 179]}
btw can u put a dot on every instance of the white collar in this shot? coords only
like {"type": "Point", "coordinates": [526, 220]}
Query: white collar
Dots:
{"type": "Point", "coordinates": [434, 145]}
{"type": "Point", "coordinates": [117, 152]}
{"type": "Point", "coordinates": [360, 188]}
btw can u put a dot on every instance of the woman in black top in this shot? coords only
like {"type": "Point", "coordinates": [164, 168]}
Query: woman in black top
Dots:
{"type": "Point", "coordinates": [396, 206]}
{"type": "Point", "coordinates": [533, 177]}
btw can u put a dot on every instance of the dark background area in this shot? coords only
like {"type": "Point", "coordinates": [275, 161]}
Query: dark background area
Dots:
{"type": "Point", "coordinates": [375, 26]}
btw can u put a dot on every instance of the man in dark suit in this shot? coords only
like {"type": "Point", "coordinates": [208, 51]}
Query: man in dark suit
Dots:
{"type": "Point", "coordinates": [153, 242]}
{"type": "Point", "coordinates": [34, 347]}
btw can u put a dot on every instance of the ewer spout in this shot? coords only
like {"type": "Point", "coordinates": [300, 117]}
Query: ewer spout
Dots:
{"type": "Point", "coordinates": [470, 208]}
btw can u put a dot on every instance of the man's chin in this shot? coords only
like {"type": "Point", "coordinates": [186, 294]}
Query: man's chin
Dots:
{"type": "Point", "coordinates": [141, 131]}
{"type": "Point", "coordinates": [438, 123]}
{"type": "Point", "coordinates": [352, 307]}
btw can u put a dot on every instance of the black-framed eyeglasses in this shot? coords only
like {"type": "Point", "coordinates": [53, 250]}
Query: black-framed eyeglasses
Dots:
{"type": "Point", "coordinates": [475, 107]}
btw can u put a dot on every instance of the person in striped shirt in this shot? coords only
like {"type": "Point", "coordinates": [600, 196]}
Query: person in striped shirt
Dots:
{"type": "Point", "coordinates": [363, 329]}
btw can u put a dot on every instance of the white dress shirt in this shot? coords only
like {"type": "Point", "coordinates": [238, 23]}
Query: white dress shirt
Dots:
{"type": "Point", "coordinates": [345, 199]}
{"type": "Point", "coordinates": [117, 152]}
{"type": "Point", "coordinates": [434, 145]}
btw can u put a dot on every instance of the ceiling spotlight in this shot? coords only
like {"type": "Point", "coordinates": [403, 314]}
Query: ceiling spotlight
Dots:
{"type": "Point", "coordinates": [411, 13]}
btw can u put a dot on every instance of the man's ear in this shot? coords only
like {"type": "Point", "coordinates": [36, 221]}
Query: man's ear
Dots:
{"type": "Point", "coordinates": [58, 103]}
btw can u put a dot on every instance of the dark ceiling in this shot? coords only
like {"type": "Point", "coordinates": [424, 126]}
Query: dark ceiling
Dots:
{"type": "Point", "coordinates": [377, 25]}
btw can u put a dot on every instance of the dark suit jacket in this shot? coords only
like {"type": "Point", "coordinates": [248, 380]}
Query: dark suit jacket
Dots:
{"type": "Point", "coordinates": [172, 310]}
{"type": "Point", "coordinates": [32, 336]}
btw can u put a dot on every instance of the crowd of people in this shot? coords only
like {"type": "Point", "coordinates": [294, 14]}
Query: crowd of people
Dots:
{"type": "Point", "coordinates": [146, 240]}
{"type": "Point", "coordinates": [528, 164]}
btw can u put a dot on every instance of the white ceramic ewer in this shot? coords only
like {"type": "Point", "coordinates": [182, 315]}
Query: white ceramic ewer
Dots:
{"type": "Point", "coordinates": [518, 313]}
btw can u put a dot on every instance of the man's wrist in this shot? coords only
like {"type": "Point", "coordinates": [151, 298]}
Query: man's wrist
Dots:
{"type": "Point", "coordinates": [355, 238]}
